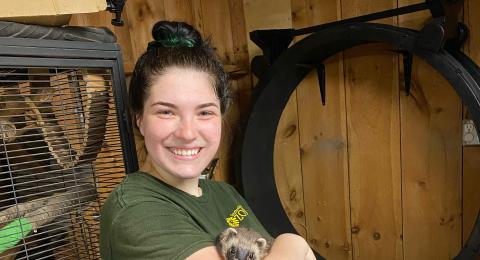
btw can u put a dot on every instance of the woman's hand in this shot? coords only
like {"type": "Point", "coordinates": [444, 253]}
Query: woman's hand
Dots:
{"type": "Point", "coordinates": [290, 247]}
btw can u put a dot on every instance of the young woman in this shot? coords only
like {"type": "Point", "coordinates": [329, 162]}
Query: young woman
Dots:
{"type": "Point", "coordinates": [178, 94]}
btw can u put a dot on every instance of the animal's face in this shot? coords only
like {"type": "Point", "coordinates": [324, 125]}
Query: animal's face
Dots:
{"type": "Point", "coordinates": [237, 253]}
{"type": "Point", "coordinates": [242, 244]}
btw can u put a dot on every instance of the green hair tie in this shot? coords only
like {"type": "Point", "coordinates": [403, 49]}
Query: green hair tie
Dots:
{"type": "Point", "coordinates": [172, 41]}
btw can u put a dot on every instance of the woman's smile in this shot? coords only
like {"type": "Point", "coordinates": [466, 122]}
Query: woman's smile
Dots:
{"type": "Point", "coordinates": [185, 153]}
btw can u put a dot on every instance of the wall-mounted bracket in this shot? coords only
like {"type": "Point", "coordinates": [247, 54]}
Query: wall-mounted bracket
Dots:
{"type": "Point", "coordinates": [321, 81]}
{"type": "Point", "coordinates": [320, 68]}
{"type": "Point", "coordinates": [432, 36]}
{"type": "Point", "coordinates": [116, 7]}
{"type": "Point", "coordinates": [272, 42]}
{"type": "Point", "coordinates": [460, 37]}
{"type": "Point", "coordinates": [407, 70]}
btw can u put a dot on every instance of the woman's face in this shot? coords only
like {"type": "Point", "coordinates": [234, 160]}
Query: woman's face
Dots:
{"type": "Point", "coordinates": [181, 123]}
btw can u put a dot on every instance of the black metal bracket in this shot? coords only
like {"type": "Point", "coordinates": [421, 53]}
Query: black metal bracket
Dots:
{"type": "Point", "coordinates": [272, 43]}
{"type": "Point", "coordinates": [432, 36]}
{"type": "Point", "coordinates": [116, 7]}
{"type": "Point", "coordinates": [460, 37]}
{"type": "Point", "coordinates": [275, 41]}
{"type": "Point", "coordinates": [407, 70]}
{"type": "Point", "coordinates": [320, 68]}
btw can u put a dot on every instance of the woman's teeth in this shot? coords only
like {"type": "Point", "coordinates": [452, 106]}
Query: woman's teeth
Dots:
{"type": "Point", "coordinates": [185, 152]}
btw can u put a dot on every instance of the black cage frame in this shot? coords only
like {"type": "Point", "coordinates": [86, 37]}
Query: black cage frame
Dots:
{"type": "Point", "coordinates": [23, 52]}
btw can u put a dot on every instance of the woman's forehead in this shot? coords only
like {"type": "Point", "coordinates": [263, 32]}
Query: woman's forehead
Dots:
{"type": "Point", "coordinates": [183, 84]}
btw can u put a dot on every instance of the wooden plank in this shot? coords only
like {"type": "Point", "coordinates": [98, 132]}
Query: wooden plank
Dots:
{"type": "Point", "coordinates": [471, 155]}
{"type": "Point", "coordinates": [240, 55]}
{"type": "Point", "coordinates": [264, 14]}
{"type": "Point", "coordinates": [471, 195]}
{"type": "Point", "coordinates": [103, 19]}
{"type": "Point", "coordinates": [323, 144]}
{"type": "Point", "coordinates": [371, 79]}
{"type": "Point", "coordinates": [431, 166]}
{"type": "Point", "coordinates": [217, 25]}
{"type": "Point", "coordinates": [179, 10]}
{"type": "Point", "coordinates": [143, 14]}
{"type": "Point", "coordinates": [288, 169]}
{"type": "Point", "coordinates": [431, 160]}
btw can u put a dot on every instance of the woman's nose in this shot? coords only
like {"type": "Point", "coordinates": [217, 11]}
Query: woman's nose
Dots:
{"type": "Point", "coordinates": [186, 130]}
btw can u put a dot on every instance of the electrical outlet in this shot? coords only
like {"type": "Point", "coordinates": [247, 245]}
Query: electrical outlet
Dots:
{"type": "Point", "coordinates": [470, 134]}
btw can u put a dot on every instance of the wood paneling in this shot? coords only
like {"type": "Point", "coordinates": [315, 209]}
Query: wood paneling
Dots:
{"type": "Point", "coordinates": [374, 152]}
{"type": "Point", "coordinates": [179, 10]}
{"type": "Point", "coordinates": [142, 16]}
{"type": "Point", "coordinates": [371, 79]}
{"type": "Point", "coordinates": [431, 166]}
{"type": "Point", "coordinates": [431, 161]}
{"type": "Point", "coordinates": [323, 144]}
{"type": "Point", "coordinates": [471, 155]}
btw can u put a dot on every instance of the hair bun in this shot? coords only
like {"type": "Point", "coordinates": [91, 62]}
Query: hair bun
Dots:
{"type": "Point", "coordinates": [174, 34]}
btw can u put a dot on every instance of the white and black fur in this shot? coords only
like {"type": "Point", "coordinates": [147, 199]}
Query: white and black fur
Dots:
{"type": "Point", "coordinates": [242, 244]}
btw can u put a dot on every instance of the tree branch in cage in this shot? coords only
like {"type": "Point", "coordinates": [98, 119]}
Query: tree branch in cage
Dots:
{"type": "Point", "coordinates": [25, 217]}
{"type": "Point", "coordinates": [43, 210]}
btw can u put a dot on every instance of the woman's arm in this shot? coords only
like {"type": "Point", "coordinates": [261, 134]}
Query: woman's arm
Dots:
{"type": "Point", "coordinates": [288, 247]}
{"type": "Point", "coordinates": [285, 247]}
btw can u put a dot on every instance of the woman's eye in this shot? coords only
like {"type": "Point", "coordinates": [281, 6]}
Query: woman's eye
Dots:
{"type": "Point", "coordinates": [164, 112]}
{"type": "Point", "coordinates": [206, 113]}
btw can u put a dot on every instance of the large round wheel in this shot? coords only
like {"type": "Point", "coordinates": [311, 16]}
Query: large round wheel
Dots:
{"type": "Point", "coordinates": [257, 168]}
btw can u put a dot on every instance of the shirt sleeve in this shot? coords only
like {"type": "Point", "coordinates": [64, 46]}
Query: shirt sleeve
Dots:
{"type": "Point", "coordinates": [142, 233]}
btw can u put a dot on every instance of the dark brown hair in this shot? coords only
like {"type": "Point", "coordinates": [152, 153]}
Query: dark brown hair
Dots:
{"type": "Point", "coordinates": [175, 44]}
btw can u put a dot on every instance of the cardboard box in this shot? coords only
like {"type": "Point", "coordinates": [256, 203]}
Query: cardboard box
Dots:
{"type": "Point", "coordinates": [47, 12]}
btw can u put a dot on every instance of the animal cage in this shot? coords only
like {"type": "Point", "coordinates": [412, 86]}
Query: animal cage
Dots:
{"type": "Point", "coordinates": [65, 142]}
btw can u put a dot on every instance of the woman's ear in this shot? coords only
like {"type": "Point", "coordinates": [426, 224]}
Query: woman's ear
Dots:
{"type": "Point", "coordinates": [139, 123]}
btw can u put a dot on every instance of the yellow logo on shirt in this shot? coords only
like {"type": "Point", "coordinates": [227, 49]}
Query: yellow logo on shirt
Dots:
{"type": "Point", "coordinates": [237, 216]}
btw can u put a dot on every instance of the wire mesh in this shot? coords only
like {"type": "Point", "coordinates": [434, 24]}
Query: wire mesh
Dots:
{"type": "Point", "coordinates": [60, 156]}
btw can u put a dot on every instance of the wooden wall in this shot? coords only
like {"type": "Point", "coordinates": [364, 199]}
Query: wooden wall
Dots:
{"type": "Point", "coordinates": [373, 174]}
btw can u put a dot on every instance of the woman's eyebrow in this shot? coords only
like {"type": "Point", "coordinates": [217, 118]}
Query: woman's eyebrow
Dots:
{"type": "Point", "coordinates": [161, 103]}
{"type": "Point", "coordinates": [207, 105]}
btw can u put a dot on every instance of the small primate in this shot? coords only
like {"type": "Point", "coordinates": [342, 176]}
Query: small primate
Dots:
{"type": "Point", "coordinates": [242, 244]}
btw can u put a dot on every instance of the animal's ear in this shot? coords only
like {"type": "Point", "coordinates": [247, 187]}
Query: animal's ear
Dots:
{"type": "Point", "coordinates": [227, 234]}
{"type": "Point", "coordinates": [262, 243]}
{"type": "Point", "coordinates": [230, 232]}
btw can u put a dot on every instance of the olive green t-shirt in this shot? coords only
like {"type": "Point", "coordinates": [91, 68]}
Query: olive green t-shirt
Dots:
{"type": "Point", "coordinates": [145, 218]}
